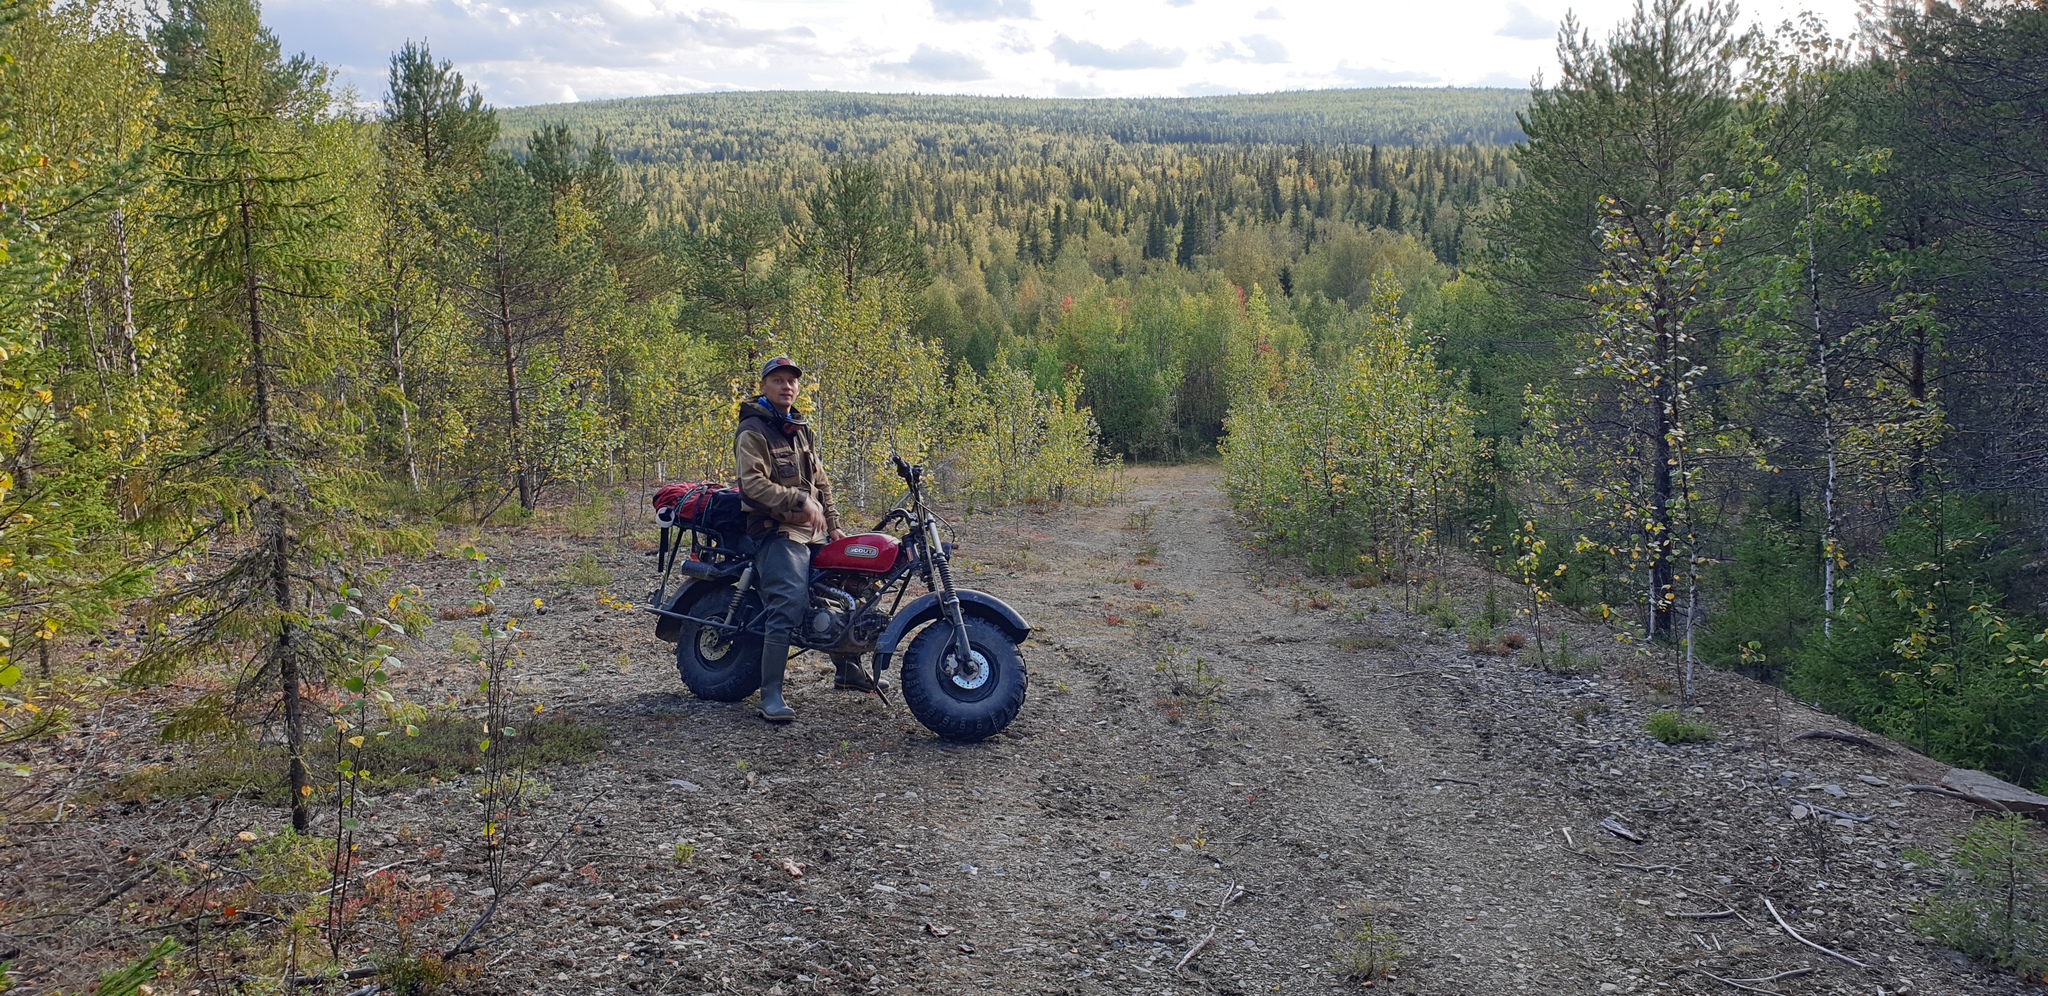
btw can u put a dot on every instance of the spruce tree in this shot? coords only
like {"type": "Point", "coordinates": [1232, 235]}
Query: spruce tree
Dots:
{"type": "Point", "coordinates": [255, 212]}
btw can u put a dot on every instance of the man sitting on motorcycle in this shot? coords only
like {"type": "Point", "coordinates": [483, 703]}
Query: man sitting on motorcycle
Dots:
{"type": "Point", "coordinates": [789, 510]}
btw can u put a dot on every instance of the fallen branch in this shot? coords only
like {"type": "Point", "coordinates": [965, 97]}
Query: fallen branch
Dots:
{"type": "Point", "coordinates": [1965, 796]}
{"type": "Point", "coordinates": [1847, 738]}
{"type": "Point", "coordinates": [1460, 781]}
{"type": "Point", "coordinates": [368, 874]}
{"type": "Point", "coordinates": [1231, 893]}
{"type": "Point", "coordinates": [1721, 915]}
{"type": "Point", "coordinates": [1648, 868]}
{"type": "Point", "coordinates": [1818, 808]}
{"type": "Point", "coordinates": [1830, 952]}
{"type": "Point", "coordinates": [1613, 826]}
{"type": "Point", "coordinates": [1199, 945]}
{"type": "Point", "coordinates": [347, 976]}
{"type": "Point", "coordinates": [1788, 974]}
{"type": "Point", "coordinates": [1739, 983]}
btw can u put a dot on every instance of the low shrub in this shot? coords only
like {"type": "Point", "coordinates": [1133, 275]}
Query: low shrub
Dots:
{"type": "Point", "coordinates": [1671, 728]}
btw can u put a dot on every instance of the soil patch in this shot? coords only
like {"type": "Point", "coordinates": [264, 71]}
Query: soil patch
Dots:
{"type": "Point", "coordinates": [1291, 775]}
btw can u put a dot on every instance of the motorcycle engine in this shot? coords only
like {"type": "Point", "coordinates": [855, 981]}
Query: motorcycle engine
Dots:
{"type": "Point", "coordinates": [834, 599]}
{"type": "Point", "coordinates": [827, 616]}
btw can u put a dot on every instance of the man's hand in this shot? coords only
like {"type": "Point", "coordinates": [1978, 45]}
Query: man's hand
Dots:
{"type": "Point", "coordinates": [838, 534]}
{"type": "Point", "coordinates": [814, 516]}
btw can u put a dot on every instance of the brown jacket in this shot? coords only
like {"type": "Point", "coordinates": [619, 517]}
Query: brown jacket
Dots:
{"type": "Point", "coordinates": [777, 472]}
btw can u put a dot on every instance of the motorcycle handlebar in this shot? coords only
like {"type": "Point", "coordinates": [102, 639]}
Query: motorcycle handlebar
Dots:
{"type": "Point", "coordinates": [910, 472]}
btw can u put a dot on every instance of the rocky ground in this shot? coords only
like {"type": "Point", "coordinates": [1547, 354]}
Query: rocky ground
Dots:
{"type": "Point", "coordinates": [1224, 780]}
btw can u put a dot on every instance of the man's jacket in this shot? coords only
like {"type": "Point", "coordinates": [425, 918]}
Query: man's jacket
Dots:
{"type": "Point", "coordinates": [779, 468]}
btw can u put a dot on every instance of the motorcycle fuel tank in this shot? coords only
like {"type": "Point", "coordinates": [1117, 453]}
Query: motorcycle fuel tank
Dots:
{"type": "Point", "coordinates": [868, 553]}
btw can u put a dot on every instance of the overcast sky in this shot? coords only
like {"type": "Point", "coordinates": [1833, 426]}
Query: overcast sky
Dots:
{"type": "Point", "coordinates": [542, 51]}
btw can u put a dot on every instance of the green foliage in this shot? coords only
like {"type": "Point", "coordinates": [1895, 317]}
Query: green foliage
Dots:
{"type": "Point", "coordinates": [587, 572]}
{"type": "Point", "coordinates": [1368, 459]}
{"type": "Point", "coordinates": [1923, 652]}
{"type": "Point", "coordinates": [729, 127]}
{"type": "Point", "coordinates": [1671, 728]}
{"type": "Point", "coordinates": [1994, 905]}
{"type": "Point", "coordinates": [1373, 951]}
{"type": "Point", "coordinates": [442, 747]}
{"type": "Point", "coordinates": [1010, 442]}
{"type": "Point", "coordinates": [1771, 600]}
{"type": "Point", "coordinates": [130, 980]}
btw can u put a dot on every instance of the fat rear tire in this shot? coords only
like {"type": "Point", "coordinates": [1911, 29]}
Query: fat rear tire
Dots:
{"type": "Point", "coordinates": [967, 709]}
{"type": "Point", "coordinates": [716, 667]}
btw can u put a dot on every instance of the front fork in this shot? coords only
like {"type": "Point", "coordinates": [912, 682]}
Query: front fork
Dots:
{"type": "Point", "coordinates": [949, 598]}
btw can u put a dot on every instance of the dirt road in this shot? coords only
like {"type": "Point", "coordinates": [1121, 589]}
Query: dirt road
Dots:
{"type": "Point", "coordinates": [1281, 778]}
{"type": "Point", "coordinates": [1328, 767]}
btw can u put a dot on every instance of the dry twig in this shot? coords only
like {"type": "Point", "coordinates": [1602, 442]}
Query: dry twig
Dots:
{"type": "Point", "coordinates": [1830, 952]}
{"type": "Point", "coordinates": [1199, 945]}
{"type": "Point", "coordinates": [1847, 738]}
{"type": "Point", "coordinates": [1818, 808]}
{"type": "Point", "coordinates": [1721, 915]}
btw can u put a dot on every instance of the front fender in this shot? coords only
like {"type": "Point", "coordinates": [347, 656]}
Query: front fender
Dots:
{"type": "Point", "coordinates": [927, 608]}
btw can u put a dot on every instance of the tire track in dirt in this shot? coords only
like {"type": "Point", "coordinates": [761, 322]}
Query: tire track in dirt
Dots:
{"type": "Point", "coordinates": [1093, 844]}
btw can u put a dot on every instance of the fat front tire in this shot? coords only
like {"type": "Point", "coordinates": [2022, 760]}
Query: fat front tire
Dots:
{"type": "Point", "coordinates": [713, 665]}
{"type": "Point", "coordinates": [970, 704]}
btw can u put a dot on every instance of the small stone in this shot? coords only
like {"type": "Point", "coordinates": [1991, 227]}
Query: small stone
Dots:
{"type": "Point", "coordinates": [1834, 790]}
{"type": "Point", "coordinates": [1872, 780]}
{"type": "Point", "coordinates": [1609, 987]}
{"type": "Point", "coordinates": [246, 837]}
{"type": "Point", "coordinates": [685, 784]}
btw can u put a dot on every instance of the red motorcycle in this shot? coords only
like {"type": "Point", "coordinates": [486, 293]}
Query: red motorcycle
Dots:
{"type": "Point", "coordinates": [963, 672]}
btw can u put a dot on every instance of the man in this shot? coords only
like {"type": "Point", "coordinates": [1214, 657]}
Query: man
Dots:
{"type": "Point", "coordinates": [789, 509]}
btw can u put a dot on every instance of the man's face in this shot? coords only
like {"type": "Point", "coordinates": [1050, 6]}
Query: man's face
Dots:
{"type": "Point", "coordinates": [780, 388]}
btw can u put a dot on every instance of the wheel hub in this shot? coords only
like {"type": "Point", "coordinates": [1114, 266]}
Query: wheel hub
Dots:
{"type": "Point", "coordinates": [711, 644]}
{"type": "Point", "coordinates": [974, 675]}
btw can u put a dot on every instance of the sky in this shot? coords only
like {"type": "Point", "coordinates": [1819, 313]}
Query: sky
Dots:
{"type": "Point", "coordinates": [547, 51]}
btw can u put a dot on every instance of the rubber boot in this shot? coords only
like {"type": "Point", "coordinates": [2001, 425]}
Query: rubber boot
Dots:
{"type": "Point", "coordinates": [774, 664]}
{"type": "Point", "coordinates": [848, 675]}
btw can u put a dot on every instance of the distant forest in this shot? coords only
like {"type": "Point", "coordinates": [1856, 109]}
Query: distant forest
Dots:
{"type": "Point", "coordinates": [722, 127]}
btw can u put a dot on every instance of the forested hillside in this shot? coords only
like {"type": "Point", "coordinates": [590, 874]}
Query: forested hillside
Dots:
{"type": "Point", "coordinates": [786, 126]}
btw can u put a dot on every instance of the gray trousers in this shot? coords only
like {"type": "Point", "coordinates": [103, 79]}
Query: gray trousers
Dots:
{"type": "Point", "coordinates": [782, 568]}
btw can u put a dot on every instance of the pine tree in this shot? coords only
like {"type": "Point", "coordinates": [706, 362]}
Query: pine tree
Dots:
{"type": "Point", "coordinates": [853, 233]}
{"type": "Point", "coordinates": [1635, 124]}
{"type": "Point", "coordinates": [435, 133]}
{"type": "Point", "coordinates": [735, 270]}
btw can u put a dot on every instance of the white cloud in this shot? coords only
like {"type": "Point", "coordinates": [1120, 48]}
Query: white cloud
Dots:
{"type": "Point", "coordinates": [1131, 55]}
{"type": "Point", "coordinates": [1381, 75]}
{"type": "Point", "coordinates": [526, 51]}
{"type": "Point", "coordinates": [1527, 25]}
{"type": "Point", "coordinates": [1253, 48]}
{"type": "Point", "coordinates": [981, 10]}
{"type": "Point", "coordinates": [930, 63]}
{"type": "Point", "coordinates": [1015, 40]}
